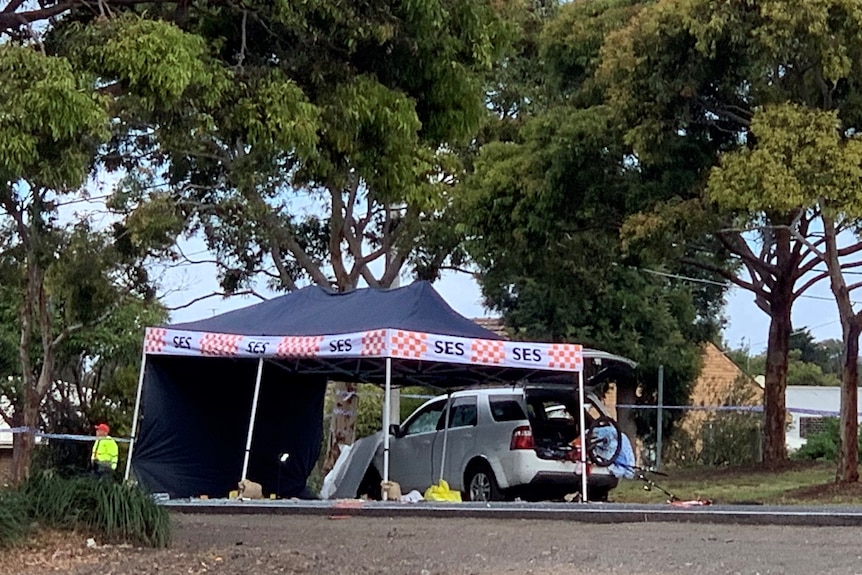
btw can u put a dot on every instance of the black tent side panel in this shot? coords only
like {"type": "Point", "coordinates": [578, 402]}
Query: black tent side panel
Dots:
{"type": "Point", "coordinates": [194, 424]}
{"type": "Point", "coordinates": [289, 421]}
{"type": "Point", "coordinates": [194, 421]}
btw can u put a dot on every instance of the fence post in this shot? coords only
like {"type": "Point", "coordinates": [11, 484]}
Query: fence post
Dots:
{"type": "Point", "coordinates": [659, 417]}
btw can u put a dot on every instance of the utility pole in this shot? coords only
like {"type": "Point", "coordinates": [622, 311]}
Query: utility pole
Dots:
{"type": "Point", "coordinates": [659, 417]}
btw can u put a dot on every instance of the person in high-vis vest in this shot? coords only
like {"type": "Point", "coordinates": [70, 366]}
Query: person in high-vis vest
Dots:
{"type": "Point", "coordinates": [105, 452]}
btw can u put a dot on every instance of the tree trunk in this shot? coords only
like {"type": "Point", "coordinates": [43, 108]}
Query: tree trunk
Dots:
{"type": "Point", "coordinates": [774, 405]}
{"type": "Point", "coordinates": [627, 395]}
{"type": "Point", "coordinates": [24, 443]}
{"type": "Point", "coordinates": [848, 455]}
{"type": "Point", "coordinates": [851, 327]}
{"type": "Point", "coordinates": [342, 426]}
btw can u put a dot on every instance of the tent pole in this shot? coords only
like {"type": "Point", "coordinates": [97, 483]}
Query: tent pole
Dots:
{"type": "Point", "coordinates": [387, 397]}
{"type": "Point", "coordinates": [583, 437]}
{"type": "Point", "coordinates": [136, 414]}
{"type": "Point", "coordinates": [446, 432]}
{"type": "Point", "coordinates": [251, 419]}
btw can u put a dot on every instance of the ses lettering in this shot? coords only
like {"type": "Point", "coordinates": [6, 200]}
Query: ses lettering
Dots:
{"type": "Point", "coordinates": [448, 348]}
{"type": "Point", "coordinates": [527, 354]}
{"type": "Point", "coordinates": [256, 347]}
{"type": "Point", "coordinates": [184, 342]}
{"type": "Point", "coordinates": [340, 346]}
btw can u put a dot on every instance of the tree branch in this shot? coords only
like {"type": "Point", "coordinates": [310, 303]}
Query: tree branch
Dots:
{"type": "Point", "coordinates": [735, 244]}
{"type": "Point", "coordinates": [286, 279]}
{"type": "Point", "coordinates": [216, 294]}
{"type": "Point", "coordinates": [336, 232]}
{"type": "Point", "coordinates": [818, 278]}
{"type": "Point", "coordinates": [733, 278]}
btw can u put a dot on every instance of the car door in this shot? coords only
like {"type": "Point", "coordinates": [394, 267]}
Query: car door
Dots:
{"type": "Point", "coordinates": [460, 442]}
{"type": "Point", "coordinates": [410, 452]}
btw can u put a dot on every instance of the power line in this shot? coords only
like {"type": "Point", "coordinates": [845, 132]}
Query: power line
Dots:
{"type": "Point", "coordinates": [728, 284]}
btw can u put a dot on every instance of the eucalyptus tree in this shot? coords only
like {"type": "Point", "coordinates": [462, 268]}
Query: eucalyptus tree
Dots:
{"type": "Point", "coordinates": [323, 149]}
{"type": "Point", "coordinates": [804, 156]}
{"type": "Point", "coordinates": [700, 71]}
{"type": "Point", "coordinates": [64, 274]}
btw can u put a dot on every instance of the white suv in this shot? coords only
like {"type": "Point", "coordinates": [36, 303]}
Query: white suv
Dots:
{"type": "Point", "coordinates": [503, 442]}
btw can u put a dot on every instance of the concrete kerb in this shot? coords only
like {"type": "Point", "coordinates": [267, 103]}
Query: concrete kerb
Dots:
{"type": "Point", "coordinates": [587, 513]}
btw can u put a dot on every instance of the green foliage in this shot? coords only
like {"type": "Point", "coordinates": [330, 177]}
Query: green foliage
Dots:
{"type": "Point", "coordinates": [803, 373]}
{"type": "Point", "coordinates": [800, 159]}
{"type": "Point", "coordinates": [824, 445]}
{"type": "Point", "coordinates": [14, 521]}
{"type": "Point", "coordinates": [825, 353]}
{"type": "Point", "coordinates": [799, 371]}
{"type": "Point", "coordinates": [369, 419]}
{"type": "Point", "coordinates": [51, 122]}
{"type": "Point", "coordinates": [115, 511]}
{"type": "Point", "coordinates": [543, 213]}
{"type": "Point", "coordinates": [356, 103]}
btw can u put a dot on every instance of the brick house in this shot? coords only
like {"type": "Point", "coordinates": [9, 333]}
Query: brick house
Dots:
{"type": "Point", "coordinates": [720, 383]}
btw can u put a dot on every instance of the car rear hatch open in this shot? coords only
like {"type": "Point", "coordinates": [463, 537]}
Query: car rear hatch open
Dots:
{"type": "Point", "coordinates": [554, 420]}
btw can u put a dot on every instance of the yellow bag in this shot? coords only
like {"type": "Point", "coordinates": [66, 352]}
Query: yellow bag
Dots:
{"type": "Point", "coordinates": [441, 492]}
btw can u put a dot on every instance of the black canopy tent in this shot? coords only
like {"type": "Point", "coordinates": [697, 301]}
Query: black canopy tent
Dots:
{"type": "Point", "coordinates": [200, 425]}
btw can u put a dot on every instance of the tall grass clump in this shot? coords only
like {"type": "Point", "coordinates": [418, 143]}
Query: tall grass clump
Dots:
{"type": "Point", "coordinates": [14, 517]}
{"type": "Point", "coordinates": [116, 511]}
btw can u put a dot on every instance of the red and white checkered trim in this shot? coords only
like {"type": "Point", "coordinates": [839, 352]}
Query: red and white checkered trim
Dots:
{"type": "Point", "coordinates": [565, 356]}
{"type": "Point", "coordinates": [409, 344]}
{"type": "Point", "coordinates": [220, 344]}
{"type": "Point", "coordinates": [154, 340]}
{"type": "Point", "coordinates": [487, 351]}
{"type": "Point", "coordinates": [305, 346]}
{"type": "Point", "coordinates": [374, 342]}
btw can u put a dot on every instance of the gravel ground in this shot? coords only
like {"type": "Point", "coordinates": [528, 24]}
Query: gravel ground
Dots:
{"type": "Point", "coordinates": [265, 544]}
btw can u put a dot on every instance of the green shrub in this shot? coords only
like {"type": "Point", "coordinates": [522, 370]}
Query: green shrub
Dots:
{"type": "Point", "coordinates": [730, 440]}
{"type": "Point", "coordinates": [824, 445]}
{"type": "Point", "coordinates": [117, 512]}
{"type": "Point", "coordinates": [14, 517]}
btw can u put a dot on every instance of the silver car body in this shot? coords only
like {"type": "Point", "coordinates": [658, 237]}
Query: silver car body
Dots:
{"type": "Point", "coordinates": [416, 450]}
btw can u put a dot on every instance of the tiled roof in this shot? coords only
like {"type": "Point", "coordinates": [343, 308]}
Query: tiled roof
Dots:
{"type": "Point", "coordinates": [494, 324]}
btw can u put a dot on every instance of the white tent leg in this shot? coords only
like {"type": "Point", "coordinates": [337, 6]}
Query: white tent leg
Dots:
{"type": "Point", "coordinates": [251, 419]}
{"type": "Point", "coordinates": [583, 437]}
{"type": "Point", "coordinates": [446, 433]}
{"type": "Point", "coordinates": [387, 398]}
{"type": "Point", "coordinates": [136, 414]}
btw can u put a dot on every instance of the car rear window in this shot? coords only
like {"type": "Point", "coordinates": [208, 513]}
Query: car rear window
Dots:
{"type": "Point", "coordinates": [506, 408]}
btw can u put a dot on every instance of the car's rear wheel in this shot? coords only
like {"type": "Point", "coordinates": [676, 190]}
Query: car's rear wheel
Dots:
{"type": "Point", "coordinates": [480, 483]}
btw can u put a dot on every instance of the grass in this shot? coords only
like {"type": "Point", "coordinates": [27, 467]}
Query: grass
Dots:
{"type": "Point", "coordinates": [111, 511]}
{"type": "Point", "coordinates": [14, 522]}
{"type": "Point", "coordinates": [796, 483]}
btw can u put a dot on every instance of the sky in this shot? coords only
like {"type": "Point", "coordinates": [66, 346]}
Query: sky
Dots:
{"type": "Point", "coordinates": [746, 324]}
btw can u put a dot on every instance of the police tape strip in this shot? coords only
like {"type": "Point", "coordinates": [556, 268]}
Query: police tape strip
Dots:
{"type": "Point", "coordinates": [68, 436]}
{"type": "Point", "coordinates": [749, 408]}
{"type": "Point", "coordinates": [737, 408]}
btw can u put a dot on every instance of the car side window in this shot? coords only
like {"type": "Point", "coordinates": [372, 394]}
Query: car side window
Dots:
{"type": "Point", "coordinates": [426, 420]}
{"type": "Point", "coordinates": [463, 413]}
{"type": "Point", "coordinates": [506, 408]}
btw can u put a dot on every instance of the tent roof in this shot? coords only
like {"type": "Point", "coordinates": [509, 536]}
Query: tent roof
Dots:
{"type": "Point", "coordinates": [315, 311]}
{"type": "Point", "coordinates": [348, 335]}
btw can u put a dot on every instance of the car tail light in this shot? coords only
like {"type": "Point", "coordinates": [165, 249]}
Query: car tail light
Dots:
{"type": "Point", "coordinates": [522, 438]}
